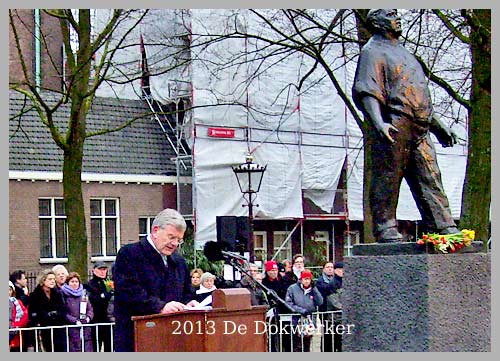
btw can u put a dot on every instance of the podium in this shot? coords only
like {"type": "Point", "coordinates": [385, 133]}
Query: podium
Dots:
{"type": "Point", "coordinates": [233, 325]}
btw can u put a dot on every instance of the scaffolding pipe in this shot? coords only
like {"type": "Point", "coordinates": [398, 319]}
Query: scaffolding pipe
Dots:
{"type": "Point", "coordinates": [286, 239]}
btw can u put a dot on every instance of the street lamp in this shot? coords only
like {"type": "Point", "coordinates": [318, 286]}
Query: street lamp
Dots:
{"type": "Point", "coordinates": [249, 176]}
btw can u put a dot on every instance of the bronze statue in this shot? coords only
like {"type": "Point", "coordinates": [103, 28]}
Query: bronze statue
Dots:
{"type": "Point", "coordinates": [391, 90]}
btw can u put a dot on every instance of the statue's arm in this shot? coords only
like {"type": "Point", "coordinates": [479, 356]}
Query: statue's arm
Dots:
{"type": "Point", "coordinates": [444, 134]}
{"type": "Point", "coordinates": [372, 110]}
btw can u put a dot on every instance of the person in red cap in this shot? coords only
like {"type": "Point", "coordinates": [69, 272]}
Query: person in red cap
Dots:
{"type": "Point", "coordinates": [304, 298]}
{"type": "Point", "coordinates": [273, 281]}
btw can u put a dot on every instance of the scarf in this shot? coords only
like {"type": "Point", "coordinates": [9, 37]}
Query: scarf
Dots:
{"type": "Point", "coordinates": [327, 278]}
{"type": "Point", "coordinates": [297, 272]}
{"type": "Point", "coordinates": [306, 290]}
{"type": "Point", "coordinates": [203, 289]}
{"type": "Point", "coordinates": [19, 310]}
{"type": "Point", "coordinates": [67, 290]}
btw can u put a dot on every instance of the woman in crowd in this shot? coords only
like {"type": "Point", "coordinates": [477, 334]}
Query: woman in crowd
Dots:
{"type": "Point", "coordinates": [196, 279]}
{"type": "Point", "coordinates": [207, 287]}
{"type": "Point", "coordinates": [78, 312]}
{"type": "Point", "coordinates": [46, 308]}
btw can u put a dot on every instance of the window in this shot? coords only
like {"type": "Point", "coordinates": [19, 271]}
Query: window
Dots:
{"type": "Point", "coordinates": [286, 249]}
{"type": "Point", "coordinates": [350, 239]}
{"type": "Point", "coordinates": [145, 224]}
{"type": "Point", "coordinates": [53, 228]}
{"type": "Point", "coordinates": [104, 226]}
{"type": "Point", "coordinates": [317, 248]}
{"type": "Point", "coordinates": [260, 245]}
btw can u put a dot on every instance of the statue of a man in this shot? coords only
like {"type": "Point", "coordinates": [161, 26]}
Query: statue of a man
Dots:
{"type": "Point", "coordinates": [391, 90]}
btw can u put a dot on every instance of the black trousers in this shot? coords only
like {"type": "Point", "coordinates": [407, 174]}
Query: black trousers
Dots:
{"type": "Point", "coordinates": [101, 338]}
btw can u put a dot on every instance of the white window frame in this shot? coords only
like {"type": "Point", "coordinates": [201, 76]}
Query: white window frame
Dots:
{"type": "Point", "coordinates": [149, 221]}
{"type": "Point", "coordinates": [288, 247]}
{"type": "Point", "coordinates": [53, 244]}
{"type": "Point", "coordinates": [322, 236]}
{"type": "Point", "coordinates": [264, 243]}
{"type": "Point", "coordinates": [103, 217]}
{"type": "Point", "coordinates": [350, 239]}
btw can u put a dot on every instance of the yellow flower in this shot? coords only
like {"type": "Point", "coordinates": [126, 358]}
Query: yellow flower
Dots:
{"type": "Point", "coordinates": [469, 234]}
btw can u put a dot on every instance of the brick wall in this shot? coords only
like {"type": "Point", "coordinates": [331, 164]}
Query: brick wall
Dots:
{"type": "Point", "coordinates": [136, 200]}
{"type": "Point", "coordinates": [25, 35]}
{"type": "Point", "coordinates": [51, 47]}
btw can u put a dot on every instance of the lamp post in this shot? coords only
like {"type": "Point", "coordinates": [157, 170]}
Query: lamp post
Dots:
{"type": "Point", "coordinates": [249, 176]}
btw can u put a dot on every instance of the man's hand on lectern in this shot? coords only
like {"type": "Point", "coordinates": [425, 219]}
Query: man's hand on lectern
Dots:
{"type": "Point", "coordinates": [192, 303]}
{"type": "Point", "coordinates": [172, 306]}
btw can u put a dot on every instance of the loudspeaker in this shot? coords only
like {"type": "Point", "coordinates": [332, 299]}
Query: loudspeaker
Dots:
{"type": "Point", "coordinates": [233, 232]}
{"type": "Point", "coordinates": [242, 233]}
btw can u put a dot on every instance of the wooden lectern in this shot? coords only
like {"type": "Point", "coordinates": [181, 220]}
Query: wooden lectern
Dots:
{"type": "Point", "coordinates": [232, 325]}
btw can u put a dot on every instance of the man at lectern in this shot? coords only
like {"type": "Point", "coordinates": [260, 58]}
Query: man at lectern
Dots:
{"type": "Point", "coordinates": [150, 277]}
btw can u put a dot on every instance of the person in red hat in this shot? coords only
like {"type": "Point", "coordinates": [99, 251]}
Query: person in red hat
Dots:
{"type": "Point", "coordinates": [304, 298]}
{"type": "Point", "coordinates": [273, 281]}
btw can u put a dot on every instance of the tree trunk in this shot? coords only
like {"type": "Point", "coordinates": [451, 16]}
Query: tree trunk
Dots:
{"type": "Point", "coordinates": [75, 212]}
{"type": "Point", "coordinates": [476, 196]}
{"type": "Point", "coordinates": [73, 153]}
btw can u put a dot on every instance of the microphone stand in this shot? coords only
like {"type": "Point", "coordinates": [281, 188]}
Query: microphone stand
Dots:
{"type": "Point", "coordinates": [269, 292]}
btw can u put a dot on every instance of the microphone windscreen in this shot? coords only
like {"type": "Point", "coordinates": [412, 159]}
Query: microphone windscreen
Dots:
{"type": "Point", "coordinates": [213, 251]}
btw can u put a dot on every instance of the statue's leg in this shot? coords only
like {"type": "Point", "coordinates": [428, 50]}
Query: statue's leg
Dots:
{"type": "Point", "coordinates": [387, 174]}
{"type": "Point", "coordinates": [424, 180]}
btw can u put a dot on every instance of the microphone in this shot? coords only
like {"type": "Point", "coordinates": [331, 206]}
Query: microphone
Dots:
{"type": "Point", "coordinates": [214, 252]}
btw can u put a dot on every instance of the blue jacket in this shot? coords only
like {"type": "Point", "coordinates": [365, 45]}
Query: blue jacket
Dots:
{"type": "Point", "coordinates": [303, 303]}
{"type": "Point", "coordinates": [143, 285]}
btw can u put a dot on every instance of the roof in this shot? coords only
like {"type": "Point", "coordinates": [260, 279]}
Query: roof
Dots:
{"type": "Point", "coordinates": [140, 148]}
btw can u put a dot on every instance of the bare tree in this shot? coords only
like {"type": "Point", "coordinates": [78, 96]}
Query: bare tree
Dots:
{"type": "Point", "coordinates": [90, 52]}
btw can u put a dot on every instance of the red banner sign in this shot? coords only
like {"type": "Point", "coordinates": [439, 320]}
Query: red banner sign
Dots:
{"type": "Point", "coordinates": [221, 132]}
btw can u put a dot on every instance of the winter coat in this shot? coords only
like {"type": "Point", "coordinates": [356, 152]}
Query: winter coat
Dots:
{"type": "Point", "coordinates": [49, 312]}
{"type": "Point", "coordinates": [72, 299]}
{"type": "Point", "coordinates": [44, 311]}
{"type": "Point", "coordinates": [326, 288]}
{"type": "Point", "coordinates": [21, 295]}
{"type": "Point", "coordinates": [289, 278]}
{"type": "Point", "coordinates": [203, 293]}
{"type": "Point", "coordinates": [280, 287]}
{"type": "Point", "coordinates": [99, 298]}
{"type": "Point", "coordinates": [143, 285]}
{"type": "Point", "coordinates": [18, 318]}
{"type": "Point", "coordinates": [303, 301]}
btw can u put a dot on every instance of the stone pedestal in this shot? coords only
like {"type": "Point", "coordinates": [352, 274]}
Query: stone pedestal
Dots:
{"type": "Point", "coordinates": [402, 299]}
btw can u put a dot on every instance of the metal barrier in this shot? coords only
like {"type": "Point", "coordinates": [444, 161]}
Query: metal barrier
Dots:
{"type": "Point", "coordinates": [285, 333]}
{"type": "Point", "coordinates": [323, 332]}
{"type": "Point", "coordinates": [61, 338]}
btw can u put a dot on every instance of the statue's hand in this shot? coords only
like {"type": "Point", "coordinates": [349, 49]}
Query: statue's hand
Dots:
{"type": "Point", "coordinates": [446, 136]}
{"type": "Point", "coordinates": [385, 129]}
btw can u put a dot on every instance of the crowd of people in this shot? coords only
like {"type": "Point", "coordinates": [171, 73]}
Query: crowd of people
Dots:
{"type": "Point", "coordinates": [60, 298]}
{"type": "Point", "coordinates": [287, 287]}
{"type": "Point", "coordinates": [150, 277]}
